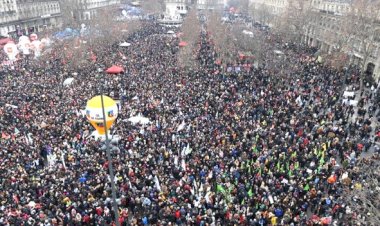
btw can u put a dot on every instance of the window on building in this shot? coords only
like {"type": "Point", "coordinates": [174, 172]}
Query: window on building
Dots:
{"type": "Point", "coordinates": [374, 52]}
{"type": "Point", "coordinates": [376, 37]}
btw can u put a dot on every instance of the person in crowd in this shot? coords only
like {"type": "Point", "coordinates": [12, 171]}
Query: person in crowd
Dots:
{"type": "Point", "coordinates": [254, 146]}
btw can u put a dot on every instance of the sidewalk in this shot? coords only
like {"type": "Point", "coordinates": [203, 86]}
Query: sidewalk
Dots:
{"type": "Point", "coordinates": [374, 122]}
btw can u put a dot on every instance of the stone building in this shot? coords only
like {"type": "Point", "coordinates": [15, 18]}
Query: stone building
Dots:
{"type": "Point", "coordinates": [19, 17]}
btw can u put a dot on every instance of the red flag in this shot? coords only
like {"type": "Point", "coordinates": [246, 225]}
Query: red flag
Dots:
{"type": "Point", "coordinates": [5, 136]}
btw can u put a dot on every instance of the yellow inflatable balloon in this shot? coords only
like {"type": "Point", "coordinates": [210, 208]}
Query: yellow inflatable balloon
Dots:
{"type": "Point", "coordinates": [94, 113]}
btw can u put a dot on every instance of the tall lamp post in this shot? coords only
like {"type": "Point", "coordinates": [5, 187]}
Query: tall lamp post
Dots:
{"type": "Point", "coordinates": [109, 158]}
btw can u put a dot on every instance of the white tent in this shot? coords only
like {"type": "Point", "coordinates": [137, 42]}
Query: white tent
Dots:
{"type": "Point", "coordinates": [139, 119]}
{"type": "Point", "coordinates": [249, 33]}
{"type": "Point", "coordinates": [350, 102]}
{"type": "Point", "coordinates": [348, 94]}
{"type": "Point", "coordinates": [278, 52]}
{"type": "Point", "coordinates": [125, 44]}
{"type": "Point", "coordinates": [68, 81]}
{"type": "Point", "coordinates": [170, 32]}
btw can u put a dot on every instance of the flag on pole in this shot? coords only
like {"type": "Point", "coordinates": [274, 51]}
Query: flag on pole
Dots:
{"type": "Point", "coordinates": [296, 165]}
{"type": "Point", "coordinates": [321, 161]}
{"type": "Point", "coordinates": [157, 183]}
{"type": "Point", "coordinates": [220, 188]}
{"type": "Point", "coordinates": [254, 148]}
{"type": "Point", "coordinates": [250, 193]}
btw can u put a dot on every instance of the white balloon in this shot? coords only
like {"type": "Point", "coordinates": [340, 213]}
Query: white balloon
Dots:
{"type": "Point", "coordinates": [11, 50]}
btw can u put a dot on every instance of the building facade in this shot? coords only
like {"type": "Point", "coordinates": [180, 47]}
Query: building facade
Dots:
{"type": "Point", "coordinates": [18, 17]}
{"type": "Point", "coordinates": [176, 9]}
{"type": "Point", "coordinates": [210, 4]}
{"type": "Point", "coordinates": [267, 11]}
{"type": "Point", "coordinates": [90, 7]}
{"type": "Point", "coordinates": [82, 10]}
{"type": "Point", "coordinates": [327, 32]}
{"type": "Point", "coordinates": [323, 22]}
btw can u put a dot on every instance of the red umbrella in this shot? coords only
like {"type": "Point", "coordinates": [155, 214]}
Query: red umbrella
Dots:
{"type": "Point", "coordinates": [182, 44]}
{"type": "Point", "coordinates": [114, 70]}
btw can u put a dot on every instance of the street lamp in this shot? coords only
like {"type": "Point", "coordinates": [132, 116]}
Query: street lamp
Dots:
{"type": "Point", "coordinates": [109, 158]}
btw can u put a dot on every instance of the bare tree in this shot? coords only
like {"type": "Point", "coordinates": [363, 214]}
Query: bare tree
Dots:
{"type": "Point", "coordinates": [109, 30]}
{"type": "Point", "coordinates": [70, 13]}
{"type": "Point", "coordinates": [223, 38]}
{"type": "Point", "coordinates": [264, 15]}
{"type": "Point", "coordinates": [241, 5]}
{"type": "Point", "coordinates": [191, 32]}
{"type": "Point", "coordinates": [361, 26]}
{"type": "Point", "coordinates": [351, 31]}
{"type": "Point", "coordinates": [251, 45]}
{"type": "Point", "coordinates": [293, 21]}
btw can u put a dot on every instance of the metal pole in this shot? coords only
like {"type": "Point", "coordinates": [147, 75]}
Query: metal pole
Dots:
{"type": "Point", "coordinates": [110, 167]}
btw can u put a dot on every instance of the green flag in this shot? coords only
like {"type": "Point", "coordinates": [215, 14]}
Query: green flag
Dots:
{"type": "Point", "coordinates": [250, 193]}
{"type": "Point", "coordinates": [319, 169]}
{"type": "Point", "coordinates": [306, 187]}
{"type": "Point", "coordinates": [220, 188]}
{"type": "Point", "coordinates": [320, 153]}
{"type": "Point", "coordinates": [321, 161]}
{"type": "Point", "coordinates": [296, 165]}
{"type": "Point", "coordinates": [278, 165]}
{"type": "Point", "coordinates": [290, 173]}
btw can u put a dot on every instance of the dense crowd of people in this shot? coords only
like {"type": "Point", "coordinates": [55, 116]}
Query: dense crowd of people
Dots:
{"type": "Point", "coordinates": [243, 146]}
